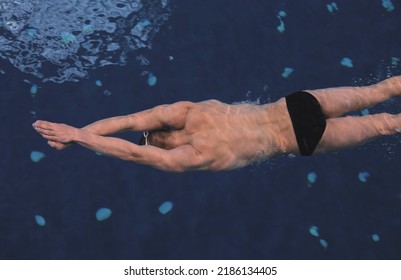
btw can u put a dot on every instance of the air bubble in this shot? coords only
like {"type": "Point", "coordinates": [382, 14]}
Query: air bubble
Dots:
{"type": "Point", "coordinates": [40, 221]}
{"type": "Point", "coordinates": [34, 90]}
{"type": "Point", "coordinates": [37, 156]}
{"type": "Point", "coordinates": [165, 207]}
{"type": "Point", "coordinates": [32, 32]}
{"type": "Point", "coordinates": [314, 231]}
{"type": "Point", "coordinates": [287, 72]}
{"type": "Point", "coordinates": [281, 27]}
{"type": "Point", "coordinates": [103, 214]}
{"type": "Point", "coordinates": [281, 14]}
{"type": "Point", "coordinates": [332, 7]}
{"type": "Point", "coordinates": [312, 177]}
{"type": "Point", "coordinates": [67, 37]}
{"type": "Point", "coordinates": [324, 243]}
{"type": "Point", "coordinates": [152, 80]}
{"type": "Point", "coordinates": [375, 237]}
{"type": "Point", "coordinates": [363, 176]}
{"type": "Point", "coordinates": [347, 62]}
{"type": "Point", "coordinates": [388, 5]}
{"type": "Point", "coordinates": [107, 92]}
{"type": "Point", "coordinates": [87, 29]}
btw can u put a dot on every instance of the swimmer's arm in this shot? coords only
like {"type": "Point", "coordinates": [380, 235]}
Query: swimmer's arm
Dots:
{"type": "Point", "coordinates": [173, 115]}
{"type": "Point", "coordinates": [180, 159]}
{"type": "Point", "coordinates": [109, 126]}
{"type": "Point", "coordinates": [109, 146]}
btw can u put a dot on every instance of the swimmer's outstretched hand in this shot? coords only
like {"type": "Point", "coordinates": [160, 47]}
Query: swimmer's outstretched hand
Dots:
{"type": "Point", "coordinates": [59, 136]}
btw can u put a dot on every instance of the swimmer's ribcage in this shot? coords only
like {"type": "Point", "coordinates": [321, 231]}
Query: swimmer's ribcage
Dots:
{"type": "Point", "coordinates": [60, 40]}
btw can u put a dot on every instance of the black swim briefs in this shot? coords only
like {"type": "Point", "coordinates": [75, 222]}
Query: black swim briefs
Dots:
{"type": "Point", "coordinates": [308, 120]}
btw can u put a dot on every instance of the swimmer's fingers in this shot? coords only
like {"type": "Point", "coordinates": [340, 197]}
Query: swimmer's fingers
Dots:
{"type": "Point", "coordinates": [44, 131]}
{"type": "Point", "coordinates": [57, 145]}
{"type": "Point", "coordinates": [173, 115]}
{"type": "Point", "coordinates": [55, 131]}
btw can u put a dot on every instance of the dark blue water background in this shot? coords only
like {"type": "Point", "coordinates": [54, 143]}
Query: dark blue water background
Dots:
{"type": "Point", "coordinates": [232, 51]}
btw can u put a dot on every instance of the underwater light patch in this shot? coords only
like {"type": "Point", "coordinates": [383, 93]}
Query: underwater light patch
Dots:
{"type": "Point", "coordinates": [166, 207]}
{"type": "Point", "coordinates": [388, 5]}
{"type": "Point", "coordinates": [332, 7]}
{"type": "Point", "coordinates": [314, 231]}
{"type": "Point", "coordinates": [347, 62]}
{"type": "Point", "coordinates": [375, 237]}
{"type": "Point", "coordinates": [34, 90]}
{"type": "Point", "coordinates": [324, 243]}
{"type": "Point", "coordinates": [37, 156]}
{"type": "Point", "coordinates": [363, 176]}
{"type": "Point", "coordinates": [103, 214]}
{"type": "Point", "coordinates": [312, 177]}
{"type": "Point", "coordinates": [40, 221]}
{"type": "Point", "coordinates": [152, 79]}
{"type": "Point", "coordinates": [287, 72]}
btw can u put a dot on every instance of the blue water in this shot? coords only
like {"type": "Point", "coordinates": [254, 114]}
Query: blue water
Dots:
{"type": "Point", "coordinates": [230, 50]}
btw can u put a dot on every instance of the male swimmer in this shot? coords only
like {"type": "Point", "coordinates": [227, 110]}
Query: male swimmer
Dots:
{"type": "Point", "coordinates": [211, 135]}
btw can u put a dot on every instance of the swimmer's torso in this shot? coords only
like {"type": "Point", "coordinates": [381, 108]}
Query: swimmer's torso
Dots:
{"type": "Point", "coordinates": [252, 129]}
